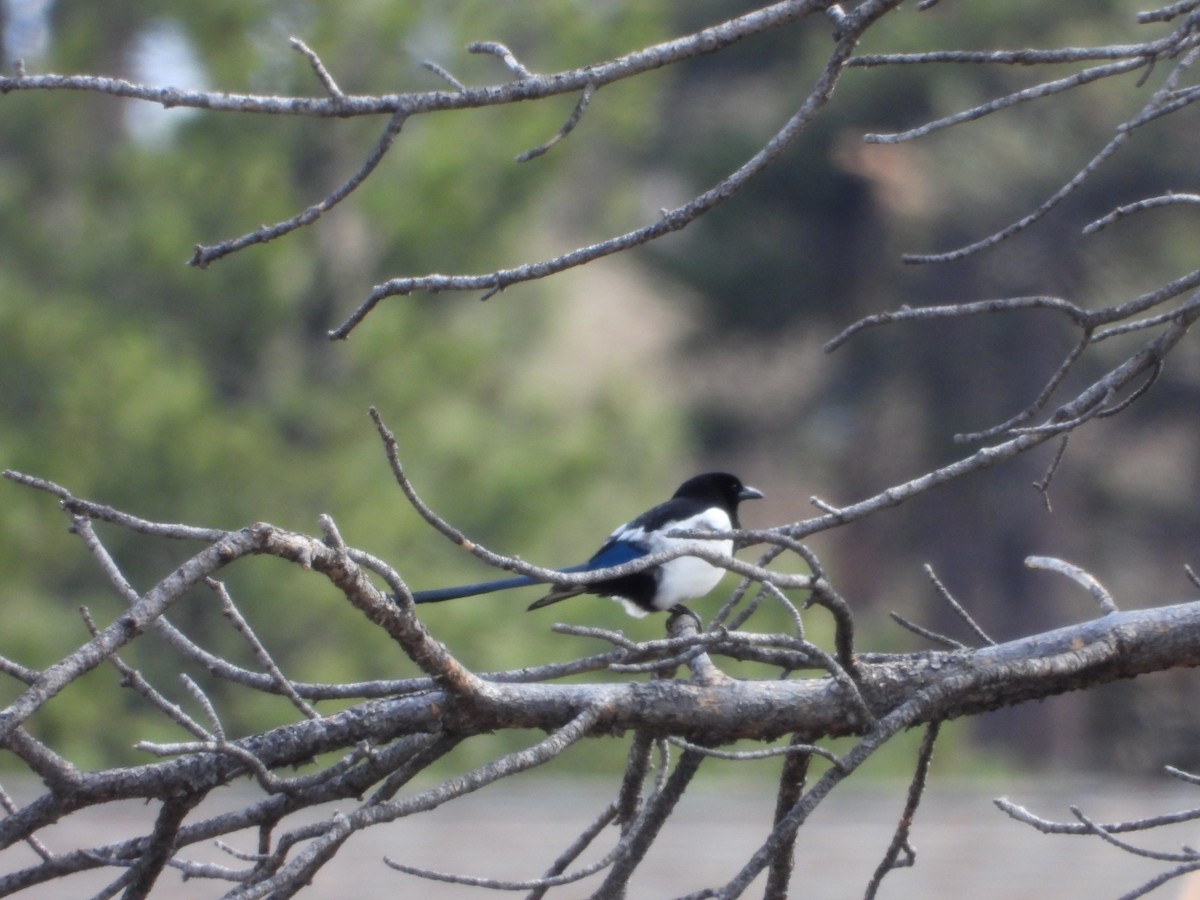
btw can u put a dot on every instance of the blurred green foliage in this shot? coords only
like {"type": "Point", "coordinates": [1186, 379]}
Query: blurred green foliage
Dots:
{"type": "Point", "coordinates": [214, 397]}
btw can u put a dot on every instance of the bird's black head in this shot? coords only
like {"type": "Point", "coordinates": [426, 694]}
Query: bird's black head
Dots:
{"type": "Point", "coordinates": [719, 489]}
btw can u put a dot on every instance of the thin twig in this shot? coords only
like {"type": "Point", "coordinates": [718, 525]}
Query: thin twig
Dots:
{"type": "Point", "coordinates": [1039, 402]}
{"type": "Point", "coordinates": [444, 75]}
{"type": "Point", "coordinates": [1108, 150]}
{"type": "Point", "coordinates": [74, 505]}
{"type": "Point", "coordinates": [206, 704]}
{"type": "Point", "coordinates": [581, 843]}
{"type": "Point", "coordinates": [792, 778]}
{"type": "Point", "coordinates": [336, 830]}
{"type": "Point", "coordinates": [1191, 575]}
{"type": "Point", "coordinates": [1186, 777]}
{"type": "Point", "coordinates": [1043, 485]}
{"type": "Point", "coordinates": [754, 755]}
{"type": "Point", "coordinates": [134, 679]}
{"type": "Point", "coordinates": [921, 631]}
{"type": "Point", "coordinates": [1188, 855]}
{"type": "Point", "coordinates": [1159, 104]}
{"type": "Point", "coordinates": [637, 765]}
{"type": "Point", "coordinates": [555, 576]}
{"type": "Point", "coordinates": [641, 836]}
{"type": "Point", "coordinates": [318, 67]}
{"type": "Point", "coordinates": [823, 595]}
{"type": "Point", "coordinates": [204, 254]}
{"type": "Point", "coordinates": [953, 310]}
{"type": "Point", "coordinates": [541, 883]}
{"type": "Point", "coordinates": [723, 619]}
{"type": "Point", "coordinates": [1047, 826]}
{"type": "Point", "coordinates": [1081, 577]}
{"type": "Point", "coordinates": [900, 853]}
{"type": "Point", "coordinates": [1160, 880]}
{"type": "Point", "coordinates": [242, 627]}
{"type": "Point", "coordinates": [1150, 321]}
{"type": "Point", "coordinates": [501, 52]}
{"type": "Point", "coordinates": [6, 802]}
{"type": "Point", "coordinates": [18, 671]}
{"type": "Point", "coordinates": [1037, 92]}
{"type": "Point", "coordinates": [1129, 209]}
{"type": "Point", "coordinates": [670, 220]}
{"type": "Point", "coordinates": [958, 608]}
{"type": "Point", "coordinates": [568, 126]}
{"type": "Point", "coordinates": [1152, 376]}
{"type": "Point", "coordinates": [1167, 13]}
{"type": "Point", "coordinates": [1071, 414]}
{"type": "Point", "coordinates": [1149, 300]}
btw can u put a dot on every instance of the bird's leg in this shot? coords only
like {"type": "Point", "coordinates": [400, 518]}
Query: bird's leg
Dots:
{"type": "Point", "coordinates": [703, 669]}
{"type": "Point", "coordinates": [680, 610]}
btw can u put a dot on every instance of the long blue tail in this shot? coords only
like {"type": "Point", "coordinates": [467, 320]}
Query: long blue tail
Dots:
{"type": "Point", "coordinates": [437, 595]}
{"type": "Point", "coordinates": [470, 590]}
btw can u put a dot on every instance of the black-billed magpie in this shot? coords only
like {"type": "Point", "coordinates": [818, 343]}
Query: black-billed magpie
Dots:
{"type": "Point", "coordinates": [706, 502]}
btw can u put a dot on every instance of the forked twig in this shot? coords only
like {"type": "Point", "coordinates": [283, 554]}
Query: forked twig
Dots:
{"type": "Point", "coordinates": [585, 97]}
{"type": "Point", "coordinates": [900, 853]}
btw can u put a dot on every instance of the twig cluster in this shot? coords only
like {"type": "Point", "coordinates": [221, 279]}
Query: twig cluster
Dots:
{"type": "Point", "coordinates": [1185, 861]}
{"type": "Point", "coordinates": [525, 85]}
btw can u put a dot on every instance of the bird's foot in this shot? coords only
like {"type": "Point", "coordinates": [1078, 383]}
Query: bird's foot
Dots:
{"type": "Point", "coordinates": [680, 610]}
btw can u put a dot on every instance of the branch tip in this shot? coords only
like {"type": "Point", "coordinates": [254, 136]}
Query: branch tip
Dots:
{"type": "Point", "coordinates": [1081, 577]}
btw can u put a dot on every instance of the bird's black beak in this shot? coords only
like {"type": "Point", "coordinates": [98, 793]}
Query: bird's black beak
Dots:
{"type": "Point", "coordinates": [749, 493]}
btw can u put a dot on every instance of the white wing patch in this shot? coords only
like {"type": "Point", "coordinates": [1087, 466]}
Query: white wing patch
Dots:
{"type": "Point", "coordinates": [632, 608]}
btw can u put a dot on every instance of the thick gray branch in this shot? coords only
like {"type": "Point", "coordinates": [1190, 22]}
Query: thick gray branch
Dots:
{"type": "Point", "coordinates": [1121, 645]}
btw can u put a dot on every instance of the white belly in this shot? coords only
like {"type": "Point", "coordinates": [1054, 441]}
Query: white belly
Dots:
{"type": "Point", "coordinates": [689, 577]}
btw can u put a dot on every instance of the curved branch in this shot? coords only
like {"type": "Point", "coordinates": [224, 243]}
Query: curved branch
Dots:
{"type": "Point", "coordinates": [202, 255]}
{"type": "Point", "coordinates": [526, 86]}
{"type": "Point", "coordinates": [1067, 417]}
{"type": "Point", "coordinates": [670, 221]}
{"type": "Point", "coordinates": [1117, 646]}
{"type": "Point", "coordinates": [704, 42]}
{"type": "Point", "coordinates": [1162, 102]}
{"type": "Point", "coordinates": [1169, 199]}
{"type": "Point", "coordinates": [554, 576]}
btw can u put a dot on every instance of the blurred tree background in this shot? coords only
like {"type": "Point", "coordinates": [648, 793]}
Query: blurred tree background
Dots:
{"type": "Point", "coordinates": [214, 397]}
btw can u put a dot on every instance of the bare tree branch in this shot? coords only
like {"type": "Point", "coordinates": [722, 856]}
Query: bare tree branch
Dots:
{"type": "Point", "coordinates": [669, 692]}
